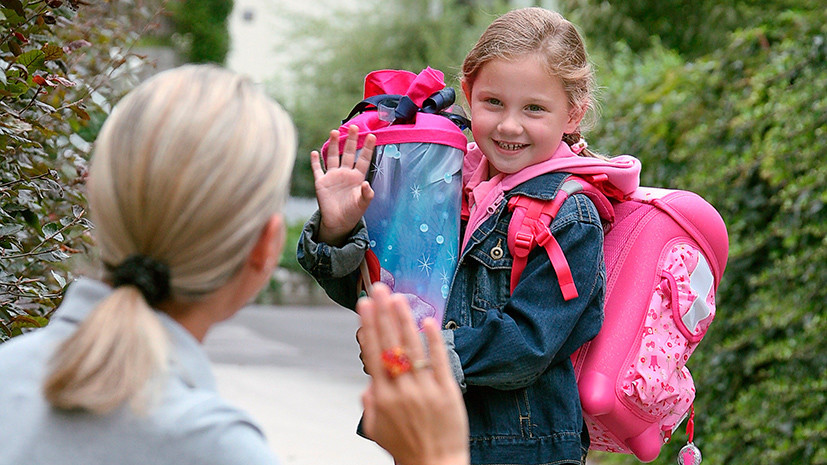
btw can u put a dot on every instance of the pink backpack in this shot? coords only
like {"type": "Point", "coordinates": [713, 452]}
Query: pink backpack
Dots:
{"type": "Point", "coordinates": [665, 252]}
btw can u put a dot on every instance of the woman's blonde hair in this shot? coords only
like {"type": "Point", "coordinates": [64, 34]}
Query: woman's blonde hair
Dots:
{"type": "Point", "coordinates": [535, 30]}
{"type": "Point", "coordinates": [186, 171]}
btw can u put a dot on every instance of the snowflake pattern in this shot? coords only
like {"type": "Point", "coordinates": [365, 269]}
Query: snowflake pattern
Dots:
{"type": "Point", "coordinates": [425, 264]}
{"type": "Point", "coordinates": [452, 257]}
{"type": "Point", "coordinates": [444, 276]}
{"type": "Point", "coordinates": [416, 192]}
{"type": "Point", "coordinates": [378, 171]}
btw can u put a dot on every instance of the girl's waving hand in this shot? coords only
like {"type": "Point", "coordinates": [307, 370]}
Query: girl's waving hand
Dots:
{"type": "Point", "coordinates": [342, 190]}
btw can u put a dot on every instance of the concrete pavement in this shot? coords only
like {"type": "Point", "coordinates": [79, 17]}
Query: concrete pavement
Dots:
{"type": "Point", "coordinates": [296, 371]}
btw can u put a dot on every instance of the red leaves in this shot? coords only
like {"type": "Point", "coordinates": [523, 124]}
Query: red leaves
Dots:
{"type": "Point", "coordinates": [52, 80]}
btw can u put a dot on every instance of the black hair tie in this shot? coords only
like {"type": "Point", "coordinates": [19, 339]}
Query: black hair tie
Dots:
{"type": "Point", "coordinates": [150, 276]}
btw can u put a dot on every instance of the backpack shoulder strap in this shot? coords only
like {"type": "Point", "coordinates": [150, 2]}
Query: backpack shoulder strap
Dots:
{"type": "Point", "coordinates": [530, 226]}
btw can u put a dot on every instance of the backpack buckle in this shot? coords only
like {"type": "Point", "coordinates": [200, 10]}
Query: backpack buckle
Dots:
{"type": "Point", "coordinates": [542, 235]}
{"type": "Point", "coordinates": [523, 242]}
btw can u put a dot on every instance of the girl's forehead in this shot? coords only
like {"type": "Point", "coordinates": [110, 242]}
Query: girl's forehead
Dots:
{"type": "Point", "coordinates": [515, 69]}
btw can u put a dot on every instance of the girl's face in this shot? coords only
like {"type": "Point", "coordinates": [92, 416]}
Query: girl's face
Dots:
{"type": "Point", "coordinates": [519, 113]}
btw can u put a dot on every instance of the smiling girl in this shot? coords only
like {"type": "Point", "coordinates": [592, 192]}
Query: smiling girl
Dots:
{"type": "Point", "coordinates": [529, 84]}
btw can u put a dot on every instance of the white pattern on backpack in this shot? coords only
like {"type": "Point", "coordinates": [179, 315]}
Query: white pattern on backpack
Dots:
{"type": "Point", "coordinates": [700, 281]}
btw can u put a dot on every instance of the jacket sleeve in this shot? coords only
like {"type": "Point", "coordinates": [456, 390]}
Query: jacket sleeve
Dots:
{"type": "Point", "coordinates": [336, 269]}
{"type": "Point", "coordinates": [536, 328]}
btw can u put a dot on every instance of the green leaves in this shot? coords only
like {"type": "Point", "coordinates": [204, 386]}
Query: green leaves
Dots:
{"type": "Point", "coordinates": [744, 126]}
{"type": "Point", "coordinates": [32, 60]}
{"type": "Point", "coordinates": [15, 5]}
{"type": "Point", "coordinates": [43, 220]}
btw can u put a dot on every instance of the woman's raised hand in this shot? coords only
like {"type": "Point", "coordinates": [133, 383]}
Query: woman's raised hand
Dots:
{"type": "Point", "coordinates": [342, 190]}
{"type": "Point", "coordinates": [413, 406]}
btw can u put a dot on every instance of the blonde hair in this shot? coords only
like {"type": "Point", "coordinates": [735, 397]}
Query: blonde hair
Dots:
{"type": "Point", "coordinates": [186, 171]}
{"type": "Point", "coordinates": [546, 33]}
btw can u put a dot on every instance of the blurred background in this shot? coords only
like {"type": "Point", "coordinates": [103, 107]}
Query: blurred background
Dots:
{"type": "Point", "coordinates": [726, 99]}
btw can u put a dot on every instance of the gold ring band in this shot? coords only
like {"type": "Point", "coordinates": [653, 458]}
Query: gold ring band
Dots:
{"type": "Point", "coordinates": [420, 364]}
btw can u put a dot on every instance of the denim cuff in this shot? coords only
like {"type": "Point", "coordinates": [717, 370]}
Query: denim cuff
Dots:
{"type": "Point", "coordinates": [324, 261]}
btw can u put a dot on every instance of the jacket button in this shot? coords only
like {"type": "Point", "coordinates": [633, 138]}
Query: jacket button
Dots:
{"type": "Point", "coordinates": [497, 251]}
{"type": "Point", "coordinates": [451, 325]}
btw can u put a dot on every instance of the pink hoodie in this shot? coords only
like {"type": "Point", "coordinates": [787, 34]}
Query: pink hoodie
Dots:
{"type": "Point", "coordinates": [485, 195]}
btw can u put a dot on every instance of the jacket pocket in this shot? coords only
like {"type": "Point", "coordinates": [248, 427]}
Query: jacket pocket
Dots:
{"type": "Point", "coordinates": [491, 277]}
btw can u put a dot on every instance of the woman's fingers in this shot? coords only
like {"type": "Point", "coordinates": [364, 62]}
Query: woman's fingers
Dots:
{"type": "Point", "coordinates": [368, 338]}
{"type": "Point", "coordinates": [386, 324]}
{"type": "Point", "coordinates": [410, 334]}
{"type": "Point", "coordinates": [438, 354]}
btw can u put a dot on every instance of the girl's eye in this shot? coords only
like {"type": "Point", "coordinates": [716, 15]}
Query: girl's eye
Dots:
{"type": "Point", "coordinates": [534, 108]}
{"type": "Point", "coordinates": [493, 101]}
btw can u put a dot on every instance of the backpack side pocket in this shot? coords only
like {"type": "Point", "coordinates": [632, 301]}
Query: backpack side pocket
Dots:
{"type": "Point", "coordinates": [680, 312]}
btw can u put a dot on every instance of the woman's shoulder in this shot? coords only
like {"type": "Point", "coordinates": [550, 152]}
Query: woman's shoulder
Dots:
{"type": "Point", "coordinates": [206, 427]}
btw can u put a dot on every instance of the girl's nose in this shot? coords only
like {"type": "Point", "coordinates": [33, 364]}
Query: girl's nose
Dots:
{"type": "Point", "coordinates": [510, 124]}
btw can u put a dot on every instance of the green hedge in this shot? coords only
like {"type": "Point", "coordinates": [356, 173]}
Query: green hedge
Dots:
{"type": "Point", "coordinates": [203, 23]}
{"type": "Point", "coordinates": [745, 127]}
{"type": "Point", "coordinates": [62, 65]}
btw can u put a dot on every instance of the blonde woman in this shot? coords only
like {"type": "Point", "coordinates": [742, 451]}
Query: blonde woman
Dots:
{"type": "Point", "coordinates": [187, 181]}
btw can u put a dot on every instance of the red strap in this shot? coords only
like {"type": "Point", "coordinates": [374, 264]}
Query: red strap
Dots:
{"type": "Point", "coordinates": [533, 230]}
{"type": "Point", "coordinates": [690, 425]}
{"type": "Point", "coordinates": [374, 270]}
{"type": "Point", "coordinates": [560, 264]}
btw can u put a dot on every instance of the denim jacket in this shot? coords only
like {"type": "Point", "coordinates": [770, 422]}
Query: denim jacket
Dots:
{"type": "Point", "coordinates": [510, 351]}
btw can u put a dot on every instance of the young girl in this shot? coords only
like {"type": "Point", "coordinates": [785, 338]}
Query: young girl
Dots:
{"type": "Point", "coordinates": [528, 83]}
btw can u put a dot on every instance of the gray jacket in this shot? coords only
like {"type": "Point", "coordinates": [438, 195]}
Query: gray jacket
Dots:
{"type": "Point", "coordinates": [189, 424]}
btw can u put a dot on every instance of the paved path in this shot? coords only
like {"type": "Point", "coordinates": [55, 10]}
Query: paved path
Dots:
{"type": "Point", "coordinates": [297, 371]}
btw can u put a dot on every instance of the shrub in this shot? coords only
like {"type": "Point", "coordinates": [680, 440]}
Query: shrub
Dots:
{"type": "Point", "coordinates": [745, 127]}
{"type": "Point", "coordinates": [63, 64]}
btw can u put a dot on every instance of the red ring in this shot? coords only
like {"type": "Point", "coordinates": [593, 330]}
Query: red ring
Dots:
{"type": "Point", "coordinates": [396, 361]}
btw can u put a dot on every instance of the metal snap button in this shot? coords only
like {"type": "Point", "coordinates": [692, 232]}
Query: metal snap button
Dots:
{"type": "Point", "coordinates": [497, 251]}
{"type": "Point", "coordinates": [451, 325]}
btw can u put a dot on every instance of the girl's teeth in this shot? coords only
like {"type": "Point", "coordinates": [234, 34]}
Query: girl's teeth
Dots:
{"type": "Point", "coordinates": [511, 146]}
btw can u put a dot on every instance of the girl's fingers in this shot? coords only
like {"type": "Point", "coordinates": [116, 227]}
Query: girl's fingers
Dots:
{"type": "Point", "coordinates": [332, 157]}
{"type": "Point", "coordinates": [350, 153]}
{"type": "Point", "coordinates": [366, 194]}
{"type": "Point", "coordinates": [316, 165]}
{"type": "Point", "coordinates": [366, 155]}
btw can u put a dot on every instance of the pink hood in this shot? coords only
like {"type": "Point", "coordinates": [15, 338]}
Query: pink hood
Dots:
{"type": "Point", "coordinates": [483, 196]}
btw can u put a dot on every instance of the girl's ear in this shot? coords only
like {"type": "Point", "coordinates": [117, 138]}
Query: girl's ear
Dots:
{"type": "Point", "coordinates": [466, 89]}
{"type": "Point", "coordinates": [576, 114]}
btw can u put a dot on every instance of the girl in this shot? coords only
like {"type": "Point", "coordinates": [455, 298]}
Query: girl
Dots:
{"type": "Point", "coordinates": [528, 83]}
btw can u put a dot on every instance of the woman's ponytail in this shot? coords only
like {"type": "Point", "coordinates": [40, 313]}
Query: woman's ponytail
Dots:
{"type": "Point", "coordinates": [111, 357]}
